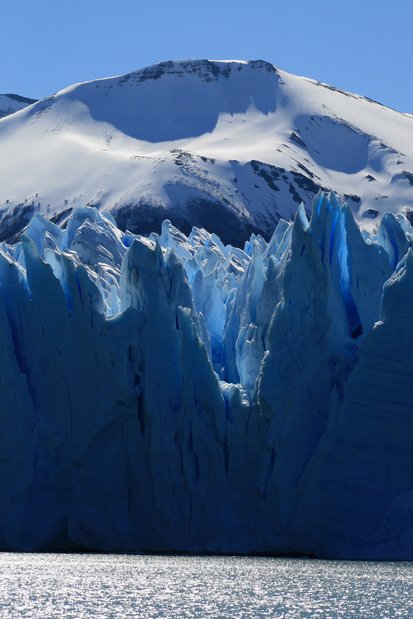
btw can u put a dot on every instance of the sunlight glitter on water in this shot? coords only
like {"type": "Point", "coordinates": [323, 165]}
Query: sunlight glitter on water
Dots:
{"type": "Point", "coordinates": [106, 586]}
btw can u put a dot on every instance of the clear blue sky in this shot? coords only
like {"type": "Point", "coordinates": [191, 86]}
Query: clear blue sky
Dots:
{"type": "Point", "coordinates": [365, 46]}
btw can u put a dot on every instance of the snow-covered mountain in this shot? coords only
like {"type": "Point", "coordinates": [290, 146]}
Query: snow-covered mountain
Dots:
{"type": "Point", "coordinates": [173, 393]}
{"type": "Point", "coordinates": [228, 145]}
{"type": "Point", "coordinates": [13, 103]}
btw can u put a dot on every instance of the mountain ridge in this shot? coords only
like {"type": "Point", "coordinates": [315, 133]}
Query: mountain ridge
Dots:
{"type": "Point", "coordinates": [228, 144]}
{"type": "Point", "coordinates": [11, 103]}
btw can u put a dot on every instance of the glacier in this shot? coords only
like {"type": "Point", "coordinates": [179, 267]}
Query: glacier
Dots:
{"type": "Point", "coordinates": [172, 393]}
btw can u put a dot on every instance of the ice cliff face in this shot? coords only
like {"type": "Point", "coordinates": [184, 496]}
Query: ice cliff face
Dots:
{"type": "Point", "coordinates": [171, 392]}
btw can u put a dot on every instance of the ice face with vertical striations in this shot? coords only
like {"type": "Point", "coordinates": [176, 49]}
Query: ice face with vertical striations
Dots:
{"type": "Point", "coordinates": [173, 393]}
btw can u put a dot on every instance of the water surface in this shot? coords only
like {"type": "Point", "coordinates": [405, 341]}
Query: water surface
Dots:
{"type": "Point", "coordinates": [88, 586]}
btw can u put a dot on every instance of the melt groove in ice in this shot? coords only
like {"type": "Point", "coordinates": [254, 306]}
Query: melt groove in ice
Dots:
{"type": "Point", "coordinates": [173, 393]}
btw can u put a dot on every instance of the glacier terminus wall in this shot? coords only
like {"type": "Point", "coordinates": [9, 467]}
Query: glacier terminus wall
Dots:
{"type": "Point", "coordinates": [172, 393]}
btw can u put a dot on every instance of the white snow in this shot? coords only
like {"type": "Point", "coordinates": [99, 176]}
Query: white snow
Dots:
{"type": "Point", "coordinates": [9, 104]}
{"type": "Point", "coordinates": [147, 140]}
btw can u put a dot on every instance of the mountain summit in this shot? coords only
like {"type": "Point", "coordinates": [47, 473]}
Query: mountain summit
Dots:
{"type": "Point", "coordinates": [228, 145]}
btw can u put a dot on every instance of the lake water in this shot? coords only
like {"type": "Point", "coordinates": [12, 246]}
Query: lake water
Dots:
{"type": "Point", "coordinates": [88, 586]}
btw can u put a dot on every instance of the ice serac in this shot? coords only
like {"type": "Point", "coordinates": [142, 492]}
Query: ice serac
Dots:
{"type": "Point", "coordinates": [173, 393]}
